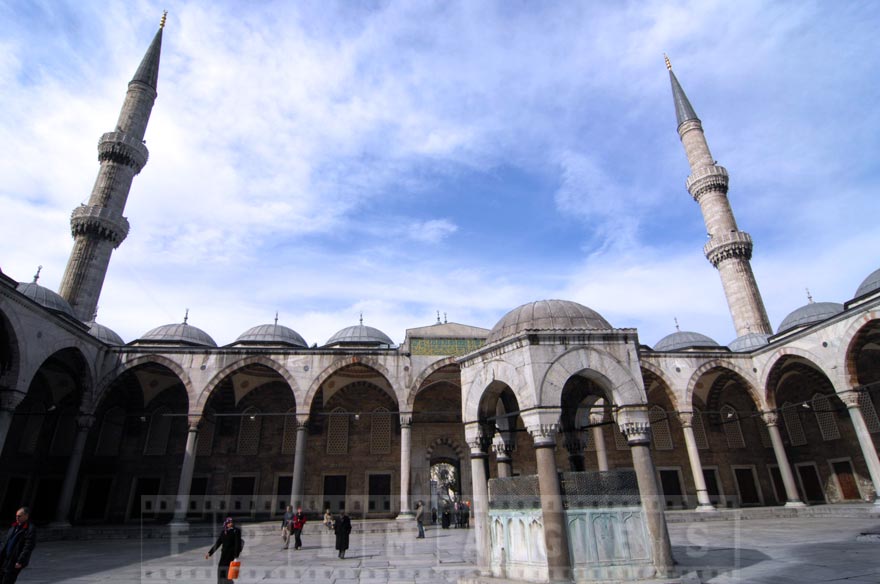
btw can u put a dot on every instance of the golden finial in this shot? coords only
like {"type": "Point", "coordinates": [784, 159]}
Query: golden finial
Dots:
{"type": "Point", "coordinates": [164, 16]}
{"type": "Point", "coordinates": [668, 63]}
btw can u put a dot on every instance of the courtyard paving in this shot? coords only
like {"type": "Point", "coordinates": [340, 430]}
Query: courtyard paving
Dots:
{"type": "Point", "coordinates": [802, 550]}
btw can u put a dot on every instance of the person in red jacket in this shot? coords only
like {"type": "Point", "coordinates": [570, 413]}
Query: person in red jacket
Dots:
{"type": "Point", "coordinates": [16, 549]}
{"type": "Point", "coordinates": [296, 526]}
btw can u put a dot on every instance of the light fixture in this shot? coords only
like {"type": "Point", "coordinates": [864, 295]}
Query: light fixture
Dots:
{"type": "Point", "coordinates": [51, 408]}
{"type": "Point", "coordinates": [357, 417]}
{"type": "Point", "coordinates": [729, 415]}
{"type": "Point", "coordinates": [252, 417]}
{"type": "Point", "coordinates": [805, 405]}
{"type": "Point", "coordinates": [143, 418]}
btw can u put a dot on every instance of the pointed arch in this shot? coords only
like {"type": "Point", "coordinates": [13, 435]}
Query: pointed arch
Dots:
{"type": "Point", "coordinates": [217, 378]}
{"type": "Point", "coordinates": [416, 385]}
{"type": "Point", "coordinates": [846, 349]}
{"type": "Point", "coordinates": [748, 380]}
{"type": "Point", "coordinates": [660, 374]}
{"type": "Point", "coordinates": [459, 450]}
{"type": "Point", "coordinates": [341, 364]}
{"type": "Point", "coordinates": [619, 381]}
{"type": "Point", "coordinates": [489, 375]}
{"type": "Point", "coordinates": [779, 361]}
{"type": "Point", "coordinates": [93, 400]}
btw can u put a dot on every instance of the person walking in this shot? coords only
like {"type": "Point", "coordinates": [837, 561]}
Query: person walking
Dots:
{"type": "Point", "coordinates": [230, 543]}
{"type": "Point", "coordinates": [420, 519]}
{"type": "Point", "coordinates": [17, 547]}
{"type": "Point", "coordinates": [285, 526]}
{"type": "Point", "coordinates": [297, 524]}
{"type": "Point", "coordinates": [342, 527]}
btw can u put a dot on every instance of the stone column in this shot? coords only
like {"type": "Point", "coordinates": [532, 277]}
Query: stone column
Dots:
{"type": "Point", "coordinates": [599, 440]}
{"type": "Point", "coordinates": [851, 399]}
{"type": "Point", "coordinates": [772, 419]}
{"type": "Point", "coordinates": [83, 423]}
{"type": "Point", "coordinates": [635, 426]}
{"type": "Point", "coordinates": [552, 510]}
{"type": "Point", "coordinates": [9, 400]}
{"type": "Point", "coordinates": [477, 442]}
{"type": "Point", "coordinates": [503, 450]}
{"type": "Point", "coordinates": [575, 447]}
{"type": "Point", "coordinates": [181, 505]}
{"type": "Point", "coordinates": [299, 462]}
{"type": "Point", "coordinates": [703, 502]}
{"type": "Point", "coordinates": [405, 461]}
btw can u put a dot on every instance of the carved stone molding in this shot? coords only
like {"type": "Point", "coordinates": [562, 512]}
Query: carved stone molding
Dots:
{"type": "Point", "coordinates": [706, 180]}
{"type": "Point", "coordinates": [736, 245]}
{"type": "Point", "coordinates": [406, 419]}
{"type": "Point", "coordinates": [770, 418]}
{"type": "Point", "coordinates": [84, 421]}
{"type": "Point", "coordinates": [686, 419]}
{"type": "Point", "coordinates": [636, 432]}
{"type": "Point", "coordinates": [502, 451]}
{"type": "Point", "coordinates": [850, 398]}
{"type": "Point", "coordinates": [544, 435]}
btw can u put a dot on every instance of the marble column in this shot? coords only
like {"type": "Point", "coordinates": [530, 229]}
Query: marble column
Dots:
{"type": "Point", "coordinates": [575, 447]}
{"type": "Point", "coordinates": [552, 509]}
{"type": "Point", "coordinates": [772, 419]}
{"type": "Point", "coordinates": [597, 420]}
{"type": "Point", "coordinates": [299, 462]}
{"type": "Point", "coordinates": [405, 463]}
{"type": "Point", "coordinates": [62, 511]}
{"type": "Point", "coordinates": [703, 502]}
{"type": "Point", "coordinates": [477, 442]}
{"type": "Point", "coordinates": [9, 400]}
{"type": "Point", "coordinates": [637, 430]}
{"type": "Point", "coordinates": [503, 450]}
{"type": "Point", "coordinates": [181, 505]}
{"type": "Point", "coordinates": [851, 399]}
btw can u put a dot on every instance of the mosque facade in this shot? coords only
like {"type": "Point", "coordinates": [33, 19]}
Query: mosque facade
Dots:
{"type": "Point", "coordinates": [172, 427]}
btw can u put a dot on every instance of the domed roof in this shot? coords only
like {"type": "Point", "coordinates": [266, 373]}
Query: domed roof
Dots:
{"type": "Point", "coordinates": [359, 334]}
{"type": "Point", "coordinates": [104, 334]}
{"type": "Point", "coordinates": [809, 314]}
{"type": "Point", "coordinates": [547, 315]}
{"type": "Point", "coordinates": [869, 284]}
{"type": "Point", "coordinates": [272, 334]}
{"type": "Point", "coordinates": [183, 333]}
{"type": "Point", "coordinates": [748, 342]}
{"type": "Point", "coordinates": [684, 340]}
{"type": "Point", "coordinates": [45, 297]}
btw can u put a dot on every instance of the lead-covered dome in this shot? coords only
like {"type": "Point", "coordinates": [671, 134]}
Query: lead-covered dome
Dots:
{"type": "Point", "coordinates": [46, 298]}
{"type": "Point", "coordinates": [547, 315]}
{"type": "Point", "coordinates": [181, 333]}
{"type": "Point", "coordinates": [105, 334]}
{"type": "Point", "coordinates": [272, 334]}
{"type": "Point", "coordinates": [869, 284]}
{"type": "Point", "coordinates": [748, 342]}
{"type": "Point", "coordinates": [809, 314]}
{"type": "Point", "coordinates": [359, 335]}
{"type": "Point", "coordinates": [684, 340]}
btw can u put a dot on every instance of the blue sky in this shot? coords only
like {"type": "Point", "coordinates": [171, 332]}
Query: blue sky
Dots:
{"type": "Point", "coordinates": [401, 158]}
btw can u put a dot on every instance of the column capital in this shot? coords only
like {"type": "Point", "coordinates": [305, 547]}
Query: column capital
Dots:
{"type": "Point", "coordinates": [477, 439]}
{"type": "Point", "coordinates": [84, 421]}
{"type": "Point", "coordinates": [543, 425]}
{"type": "Point", "coordinates": [850, 397]}
{"type": "Point", "coordinates": [636, 432]}
{"type": "Point", "coordinates": [686, 419]}
{"type": "Point", "coordinates": [302, 421]}
{"type": "Point", "coordinates": [502, 450]}
{"type": "Point", "coordinates": [770, 417]}
{"type": "Point", "coordinates": [10, 398]}
{"type": "Point", "coordinates": [193, 424]}
{"type": "Point", "coordinates": [406, 419]}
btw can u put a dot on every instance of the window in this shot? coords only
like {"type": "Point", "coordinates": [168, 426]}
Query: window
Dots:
{"type": "Point", "coordinates": [160, 429]}
{"type": "Point", "coordinates": [337, 432]}
{"type": "Point", "coordinates": [249, 432]}
{"type": "Point", "coordinates": [825, 417]}
{"type": "Point", "coordinates": [380, 431]}
{"type": "Point", "coordinates": [660, 428]}
{"type": "Point", "coordinates": [619, 439]}
{"type": "Point", "coordinates": [699, 430]}
{"type": "Point", "coordinates": [793, 425]}
{"type": "Point", "coordinates": [111, 432]}
{"type": "Point", "coordinates": [288, 439]}
{"type": "Point", "coordinates": [866, 404]}
{"type": "Point", "coordinates": [205, 444]}
{"type": "Point", "coordinates": [30, 437]}
{"type": "Point", "coordinates": [732, 428]}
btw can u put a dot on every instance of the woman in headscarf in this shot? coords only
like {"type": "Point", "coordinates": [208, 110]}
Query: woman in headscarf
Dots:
{"type": "Point", "coordinates": [342, 527]}
{"type": "Point", "coordinates": [230, 543]}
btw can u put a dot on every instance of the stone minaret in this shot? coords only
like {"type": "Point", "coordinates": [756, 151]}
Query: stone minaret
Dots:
{"type": "Point", "coordinates": [99, 227]}
{"type": "Point", "coordinates": [728, 249]}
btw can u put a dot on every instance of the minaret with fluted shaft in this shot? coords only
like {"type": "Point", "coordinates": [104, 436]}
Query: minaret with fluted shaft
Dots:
{"type": "Point", "coordinates": [728, 248]}
{"type": "Point", "coordinates": [99, 227]}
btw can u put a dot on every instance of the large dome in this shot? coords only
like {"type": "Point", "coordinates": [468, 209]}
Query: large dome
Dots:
{"type": "Point", "coordinates": [684, 340]}
{"type": "Point", "coordinates": [45, 297]}
{"type": "Point", "coordinates": [359, 334]}
{"type": "Point", "coordinates": [181, 333]}
{"type": "Point", "coordinates": [105, 334]}
{"type": "Point", "coordinates": [809, 314]}
{"type": "Point", "coordinates": [547, 315]}
{"type": "Point", "coordinates": [869, 284]}
{"type": "Point", "coordinates": [748, 342]}
{"type": "Point", "coordinates": [274, 334]}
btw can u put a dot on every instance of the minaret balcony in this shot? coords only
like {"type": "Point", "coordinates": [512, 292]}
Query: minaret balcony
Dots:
{"type": "Point", "coordinates": [736, 244]}
{"type": "Point", "coordinates": [121, 148]}
{"type": "Point", "coordinates": [705, 179]}
{"type": "Point", "coordinates": [99, 221]}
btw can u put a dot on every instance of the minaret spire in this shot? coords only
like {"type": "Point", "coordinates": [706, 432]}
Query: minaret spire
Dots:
{"type": "Point", "coordinates": [99, 227]}
{"type": "Point", "coordinates": [728, 248]}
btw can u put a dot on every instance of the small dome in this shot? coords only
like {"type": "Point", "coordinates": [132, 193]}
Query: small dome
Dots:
{"type": "Point", "coordinates": [274, 334]}
{"type": "Point", "coordinates": [809, 314]}
{"type": "Point", "coordinates": [547, 315]}
{"type": "Point", "coordinates": [869, 284]}
{"type": "Point", "coordinates": [748, 342]}
{"type": "Point", "coordinates": [360, 334]}
{"type": "Point", "coordinates": [179, 333]}
{"type": "Point", "coordinates": [45, 297]}
{"type": "Point", "coordinates": [684, 340]}
{"type": "Point", "coordinates": [104, 334]}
